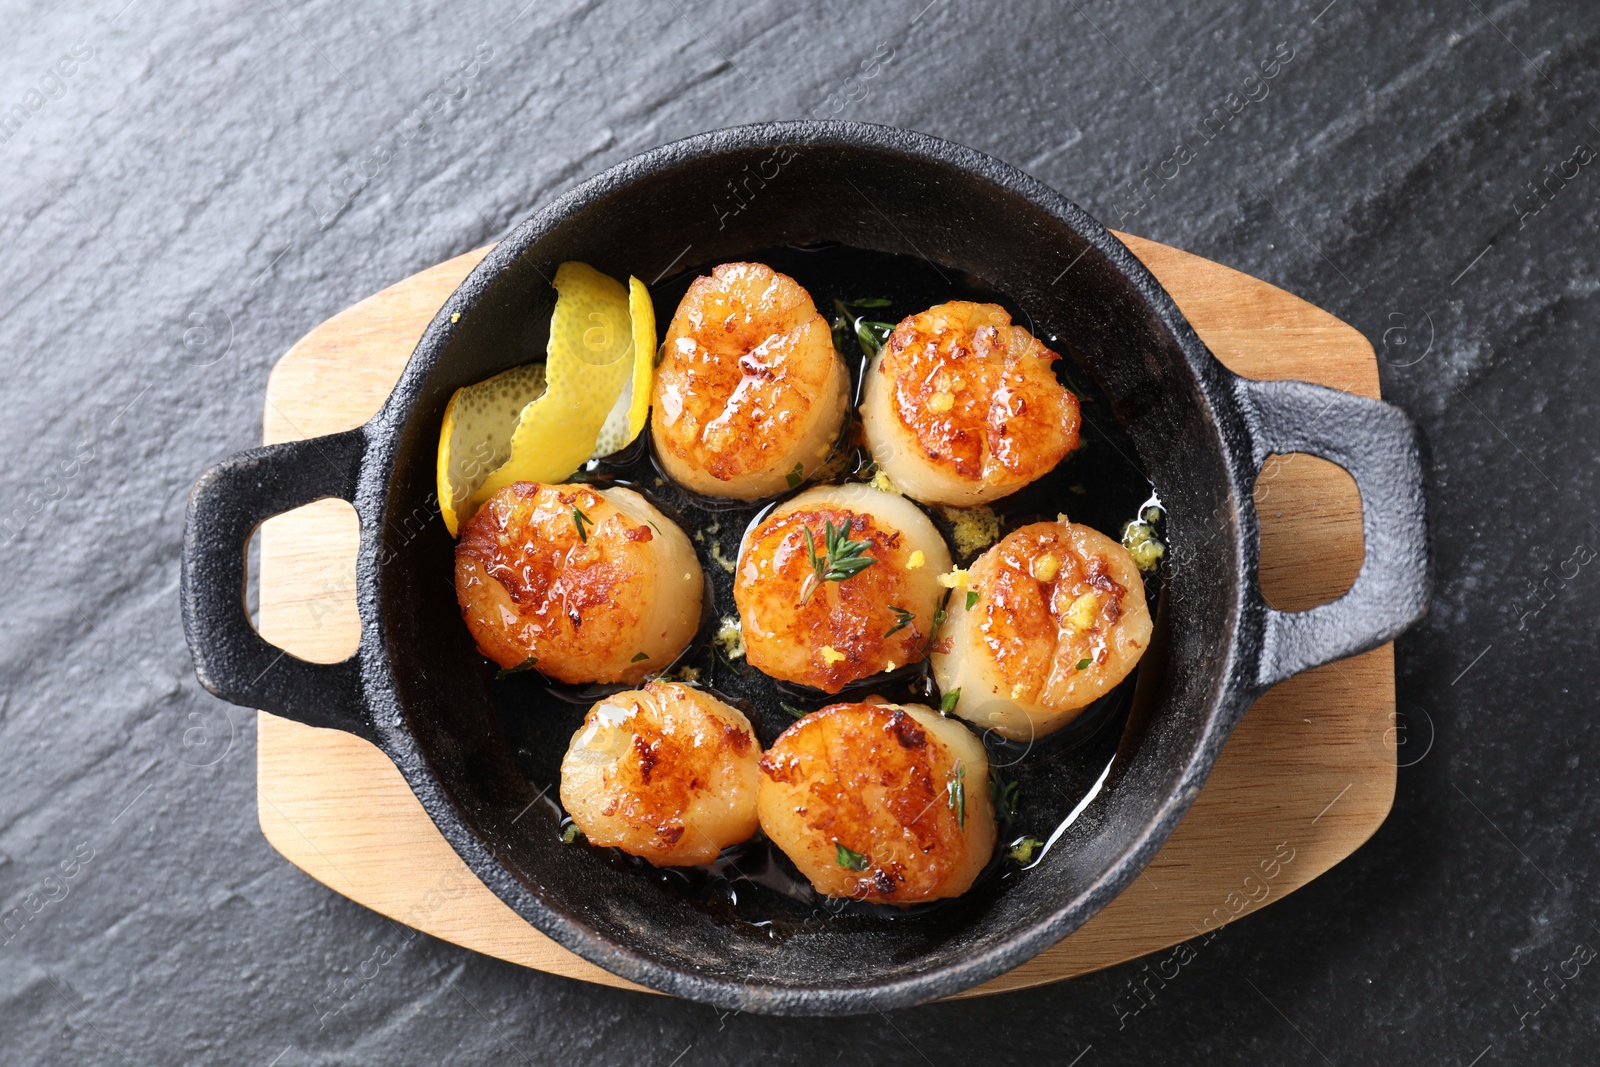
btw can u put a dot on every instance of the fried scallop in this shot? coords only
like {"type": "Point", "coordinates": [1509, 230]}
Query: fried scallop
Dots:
{"type": "Point", "coordinates": [880, 802]}
{"type": "Point", "coordinates": [828, 611]}
{"type": "Point", "coordinates": [668, 773]}
{"type": "Point", "coordinates": [749, 394]}
{"type": "Point", "coordinates": [586, 585]}
{"type": "Point", "coordinates": [962, 407]}
{"type": "Point", "coordinates": [1058, 618]}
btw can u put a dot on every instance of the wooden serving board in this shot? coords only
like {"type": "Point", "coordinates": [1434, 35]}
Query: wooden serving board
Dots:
{"type": "Point", "coordinates": [1306, 778]}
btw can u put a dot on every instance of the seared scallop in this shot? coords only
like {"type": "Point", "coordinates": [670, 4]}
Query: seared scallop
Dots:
{"type": "Point", "coordinates": [962, 407]}
{"type": "Point", "coordinates": [667, 772]}
{"type": "Point", "coordinates": [837, 584]}
{"type": "Point", "coordinates": [1057, 619]}
{"type": "Point", "coordinates": [586, 585]}
{"type": "Point", "coordinates": [880, 802]}
{"type": "Point", "coordinates": [749, 394]}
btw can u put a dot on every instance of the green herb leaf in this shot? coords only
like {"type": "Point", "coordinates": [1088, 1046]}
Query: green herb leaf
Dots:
{"type": "Point", "coordinates": [972, 598]}
{"type": "Point", "coordinates": [939, 615]}
{"type": "Point", "coordinates": [956, 789]}
{"type": "Point", "coordinates": [793, 477]}
{"type": "Point", "coordinates": [841, 557]}
{"type": "Point", "coordinates": [640, 657]}
{"type": "Point", "coordinates": [1023, 848]}
{"type": "Point", "coordinates": [525, 665]}
{"type": "Point", "coordinates": [571, 833]}
{"type": "Point", "coordinates": [845, 557]}
{"type": "Point", "coordinates": [578, 519]}
{"type": "Point", "coordinates": [798, 713]}
{"type": "Point", "coordinates": [1083, 664]}
{"type": "Point", "coordinates": [1004, 796]}
{"type": "Point", "coordinates": [872, 336]}
{"type": "Point", "coordinates": [869, 335]}
{"type": "Point", "coordinates": [661, 353]}
{"type": "Point", "coordinates": [850, 859]}
{"type": "Point", "coordinates": [903, 618]}
{"type": "Point", "coordinates": [948, 702]}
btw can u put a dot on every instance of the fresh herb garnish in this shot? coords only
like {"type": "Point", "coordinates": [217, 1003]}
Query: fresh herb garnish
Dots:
{"type": "Point", "coordinates": [850, 859]}
{"type": "Point", "coordinates": [525, 665]}
{"type": "Point", "coordinates": [578, 519]}
{"type": "Point", "coordinates": [793, 477]}
{"type": "Point", "coordinates": [1083, 664]}
{"type": "Point", "coordinates": [956, 789]}
{"type": "Point", "coordinates": [1004, 795]}
{"type": "Point", "coordinates": [972, 598]}
{"type": "Point", "coordinates": [841, 557]}
{"type": "Point", "coordinates": [939, 615]}
{"type": "Point", "coordinates": [571, 833]}
{"type": "Point", "coordinates": [903, 618]}
{"type": "Point", "coordinates": [1023, 848]}
{"type": "Point", "coordinates": [798, 713]}
{"type": "Point", "coordinates": [870, 335]}
{"type": "Point", "coordinates": [640, 657]}
{"type": "Point", "coordinates": [948, 702]}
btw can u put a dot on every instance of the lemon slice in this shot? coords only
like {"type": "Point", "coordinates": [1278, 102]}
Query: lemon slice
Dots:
{"type": "Point", "coordinates": [633, 406]}
{"type": "Point", "coordinates": [587, 366]}
{"type": "Point", "coordinates": [476, 436]}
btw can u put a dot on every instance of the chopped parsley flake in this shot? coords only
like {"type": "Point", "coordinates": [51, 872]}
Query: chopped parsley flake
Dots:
{"type": "Point", "coordinates": [948, 703]}
{"type": "Point", "coordinates": [850, 859]}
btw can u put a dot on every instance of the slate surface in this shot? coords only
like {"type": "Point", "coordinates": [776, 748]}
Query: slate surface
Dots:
{"type": "Point", "coordinates": [189, 189]}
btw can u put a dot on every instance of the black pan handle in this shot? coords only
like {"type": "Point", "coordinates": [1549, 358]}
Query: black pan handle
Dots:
{"type": "Point", "coordinates": [1377, 444]}
{"type": "Point", "coordinates": [231, 659]}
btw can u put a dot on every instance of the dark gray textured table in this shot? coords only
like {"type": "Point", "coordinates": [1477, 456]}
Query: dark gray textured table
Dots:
{"type": "Point", "coordinates": [187, 190]}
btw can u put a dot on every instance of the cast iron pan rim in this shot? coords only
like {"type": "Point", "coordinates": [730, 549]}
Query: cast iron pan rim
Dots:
{"type": "Point", "coordinates": [395, 738]}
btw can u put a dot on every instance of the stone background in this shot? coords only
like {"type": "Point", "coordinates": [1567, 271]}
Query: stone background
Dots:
{"type": "Point", "coordinates": [211, 181]}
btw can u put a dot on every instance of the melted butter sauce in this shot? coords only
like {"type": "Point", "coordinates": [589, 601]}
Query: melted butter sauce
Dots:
{"type": "Point", "coordinates": [753, 886]}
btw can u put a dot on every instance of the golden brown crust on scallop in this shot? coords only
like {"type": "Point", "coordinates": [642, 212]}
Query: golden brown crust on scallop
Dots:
{"type": "Point", "coordinates": [665, 772]}
{"type": "Point", "coordinates": [1058, 620]}
{"type": "Point", "coordinates": [977, 395]}
{"type": "Point", "coordinates": [828, 634]}
{"type": "Point", "coordinates": [875, 779]}
{"type": "Point", "coordinates": [747, 370]}
{"type": "Point", "coordinates": [530, 585]}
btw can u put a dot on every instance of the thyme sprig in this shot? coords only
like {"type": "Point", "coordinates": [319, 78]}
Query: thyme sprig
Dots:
{"type": "Point", "coordinates": [902, 617]}
{"type": "Point", "coordinates": [841, 557]}
{"type": "Point", "coordinates": [870, 334]}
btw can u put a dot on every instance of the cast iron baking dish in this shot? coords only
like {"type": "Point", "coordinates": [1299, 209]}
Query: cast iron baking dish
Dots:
{"type": "Point", "coordinates": [418, 689]}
